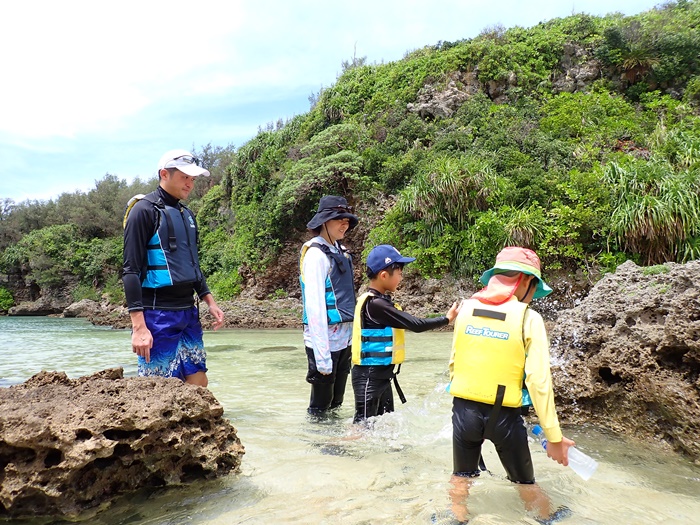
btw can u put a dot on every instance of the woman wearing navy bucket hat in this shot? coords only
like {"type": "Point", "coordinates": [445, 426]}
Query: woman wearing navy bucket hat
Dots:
{"type": "Point", "coordinates": [328, 299]}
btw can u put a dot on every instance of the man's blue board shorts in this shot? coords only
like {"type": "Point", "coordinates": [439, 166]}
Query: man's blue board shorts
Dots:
{"type": "Point", "coordinates": [178, 349]}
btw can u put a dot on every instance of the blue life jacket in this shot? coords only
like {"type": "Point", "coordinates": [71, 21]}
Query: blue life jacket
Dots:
{"type": "Point", "coordinates": [340, 288]}
{"type": "Point", "coordinates": [172, 251]}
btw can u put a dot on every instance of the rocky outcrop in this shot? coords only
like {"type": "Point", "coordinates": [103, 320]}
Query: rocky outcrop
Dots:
{"type": "Point", "coordinates": [70, 446]}
{"type": "Point", "coordinates": [114, 316]}
{"type": "Point", "coordinates": [243, 312]}
{"type": "Point", "coordinates": [628, 356]}
{"type": "Point", "coordinates": [578, 70]}
{"type": "Point", "coordinates": [45, 305]}
{"type": "Point", "coordinates": [83, 308]}
{"type": "Point", "coordinates": [433, 102]}
{"type": "Point", "coordinates": [251, 313]}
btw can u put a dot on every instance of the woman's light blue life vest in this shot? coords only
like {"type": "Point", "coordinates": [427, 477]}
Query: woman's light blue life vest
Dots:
{"type": "Point", "coordinates": [340, 288]}
{"type": "Point", "coordinates": [172, 251]}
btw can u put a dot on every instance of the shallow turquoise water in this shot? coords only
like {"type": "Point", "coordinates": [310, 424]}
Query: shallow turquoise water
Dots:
{"type": "Point", "coordinates": [299, 471]}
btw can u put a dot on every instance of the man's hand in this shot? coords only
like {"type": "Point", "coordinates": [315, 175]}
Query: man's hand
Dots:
{"type": "Point", "coordinates": [218, 316]}
{"type": "Point", "coordinates": [142, 342]}
{"type": "Point", "coordinates": [141, 338]}
{"type": "Point", "coordinates": [215, 311]}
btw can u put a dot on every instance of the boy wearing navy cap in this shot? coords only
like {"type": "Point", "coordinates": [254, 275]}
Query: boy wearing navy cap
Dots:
{"type": "Point", "coordinates": [378, 334]}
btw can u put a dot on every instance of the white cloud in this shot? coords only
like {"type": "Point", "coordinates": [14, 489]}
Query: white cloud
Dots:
{"type": "Point", "coordinates": [83, 66]}
{"type": "Point", "coordinates": [93, 87]}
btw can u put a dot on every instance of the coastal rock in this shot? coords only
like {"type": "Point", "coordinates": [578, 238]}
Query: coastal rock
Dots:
{"type": "Point", "coordinates": [628, 356]}
{"type": "Point", "coordinates": [83, 308]}
{"type": "Point", "coordinates": [114, 316]}
{"type": "Point", "coordinates": [45, 305]}
{"type": "Point", "coordinates": [68, 447]}
{"type": "Point", "coordinates": [253, 313]}
{"type": "Point", "coordinates": [578, 70]}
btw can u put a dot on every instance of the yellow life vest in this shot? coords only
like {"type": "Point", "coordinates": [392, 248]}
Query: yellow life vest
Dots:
{"type": "Point", "coordinates": [488, 351]}
{"type": "Point", "coordinates": [376, 346]}
{"type": "Point", "coordinates": [132, 201]}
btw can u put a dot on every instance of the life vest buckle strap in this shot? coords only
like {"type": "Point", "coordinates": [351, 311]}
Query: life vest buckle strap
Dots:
{"type": "Point", "coordinates": [365, 355]}
{"type": "Point", "coordinates": [399, 392]}
{"type": "Point", "coordinates": [493, 417]}
{"type": "Point", "coordinates": [376, 339]}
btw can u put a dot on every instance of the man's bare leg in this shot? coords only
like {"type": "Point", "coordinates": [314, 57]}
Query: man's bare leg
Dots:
{"type": "Point", "coordinates": [199, 379]}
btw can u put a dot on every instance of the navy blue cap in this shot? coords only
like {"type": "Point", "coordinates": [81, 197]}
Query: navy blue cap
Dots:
{"type": "Point", "coordinates": [385, 255]}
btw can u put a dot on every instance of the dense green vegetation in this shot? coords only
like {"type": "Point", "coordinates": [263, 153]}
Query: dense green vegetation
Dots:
{"type": "Point", "coordinates": [588, 171]}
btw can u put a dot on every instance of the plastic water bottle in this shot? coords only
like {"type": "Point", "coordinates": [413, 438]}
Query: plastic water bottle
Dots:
{"type": "Point", "coordinates": [579, 462]}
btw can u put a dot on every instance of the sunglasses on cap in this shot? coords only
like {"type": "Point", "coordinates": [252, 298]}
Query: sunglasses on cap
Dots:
{"type": "Point", "coordinates": [342, 209]}
{"type": "Point", "coordinates": [182, 159]}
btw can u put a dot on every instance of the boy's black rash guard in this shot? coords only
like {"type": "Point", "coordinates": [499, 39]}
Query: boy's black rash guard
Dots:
{"type": "Point", "coordinates": [140, 227]}
{"type": "Point", "coordinates": [380, 312]}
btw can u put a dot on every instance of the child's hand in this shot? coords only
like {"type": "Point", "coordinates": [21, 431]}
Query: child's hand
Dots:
{"type": "Point", "coordinates": [453, 311]}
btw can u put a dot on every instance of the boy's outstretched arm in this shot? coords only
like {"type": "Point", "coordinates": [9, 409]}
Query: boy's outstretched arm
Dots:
{"type": "Point", "coordinates": [382, 312]}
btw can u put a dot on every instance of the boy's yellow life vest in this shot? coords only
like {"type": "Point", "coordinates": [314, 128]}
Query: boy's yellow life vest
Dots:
{"type": "Point", "coordinates": [376, 346]}
{"type": "Point", "coordinates": [488, 351]}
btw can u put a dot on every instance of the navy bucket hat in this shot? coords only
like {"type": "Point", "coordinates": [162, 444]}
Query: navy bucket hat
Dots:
{"type": "Point", "coordinates": [332, 207]}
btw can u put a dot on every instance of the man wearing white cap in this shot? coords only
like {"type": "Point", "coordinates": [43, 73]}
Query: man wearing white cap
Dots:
{"type": "Point", "coordinates": [161, 275]}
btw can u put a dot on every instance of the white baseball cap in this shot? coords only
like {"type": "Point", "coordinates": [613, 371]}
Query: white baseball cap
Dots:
{"type": "Point", "coordinates": [184, 161]}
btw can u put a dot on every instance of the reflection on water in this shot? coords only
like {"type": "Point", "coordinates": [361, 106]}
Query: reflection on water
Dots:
{"type": "Point", "coordinates": [298, 470]}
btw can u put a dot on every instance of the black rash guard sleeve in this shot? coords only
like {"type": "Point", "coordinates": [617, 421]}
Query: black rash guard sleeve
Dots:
{"type": "Point", "coordinates": [381, 310]}
{"type": "Point", "coordinates": [201, 288]}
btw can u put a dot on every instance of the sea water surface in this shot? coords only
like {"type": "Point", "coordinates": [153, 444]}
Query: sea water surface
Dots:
{"type": "Point", "coordinates": [301, 471]}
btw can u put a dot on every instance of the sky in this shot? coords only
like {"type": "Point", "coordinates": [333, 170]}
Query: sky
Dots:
{"type": "Point", "coordinates": [90, 88]}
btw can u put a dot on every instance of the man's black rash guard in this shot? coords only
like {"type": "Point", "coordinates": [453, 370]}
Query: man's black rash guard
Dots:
{"type": "Point", "coordinates": [140, 227]}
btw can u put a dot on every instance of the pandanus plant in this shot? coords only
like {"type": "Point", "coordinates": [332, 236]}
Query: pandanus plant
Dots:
{"type": "Point", "coordinates": [656, 210]}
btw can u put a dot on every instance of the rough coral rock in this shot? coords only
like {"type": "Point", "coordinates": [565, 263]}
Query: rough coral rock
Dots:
{"type": "Point", "coordinates": [71, 446]}
{"type": "Point", "coordinates": [433, 102]}
{"type": "Point", "coordinates": [45, 305]}
{"type": "Point", "coordinates": [83, 308]}
{"type": "Point", "coordinates": [628, 356]}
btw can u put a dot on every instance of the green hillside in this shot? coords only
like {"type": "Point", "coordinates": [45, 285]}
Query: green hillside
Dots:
{"type": "Point", "coordinates": [579, 137]}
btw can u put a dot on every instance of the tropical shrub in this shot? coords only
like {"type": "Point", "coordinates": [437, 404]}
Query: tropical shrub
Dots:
{"type": "Point", "coordinates": [85, 291]}
{"type": "Point", "coordinates": [593, 177]}
{"type": "Point", "coordinates": [114, 290]}
{"type": "Point", "coordinates": [658, 209]}
{"type": "Point", "coordinates": [225, 285]}
{"type": "Point", "coordinates": [6, 300]}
